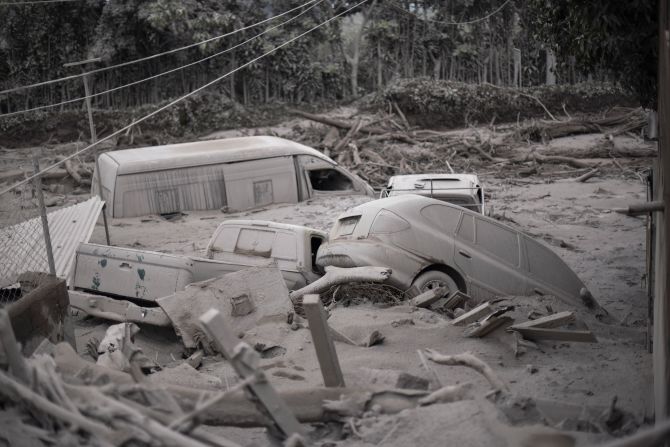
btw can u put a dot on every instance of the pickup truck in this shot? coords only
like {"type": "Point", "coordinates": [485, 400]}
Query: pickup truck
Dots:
{"type": "Point", "coordinates": [236, 244]}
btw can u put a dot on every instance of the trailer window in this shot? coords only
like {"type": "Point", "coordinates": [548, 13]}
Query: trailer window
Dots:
{"type": "Point", "coordinates": [329, 180]}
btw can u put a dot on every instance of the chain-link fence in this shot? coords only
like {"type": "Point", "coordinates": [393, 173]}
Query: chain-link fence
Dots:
{"type": "Point", "coordinates": [24, 247]}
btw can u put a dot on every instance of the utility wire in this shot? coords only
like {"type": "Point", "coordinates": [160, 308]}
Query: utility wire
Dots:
{"type": "Point", "coordinates": [468, 22]}
{"type": "Point", "coordinates": [178, 100]}
{"type": "Point", "coordinates": [153, 56]}
{"type": "Point", "coordinates": [130, 84]}
{"type": "Point", "coordinates": [35, 2]}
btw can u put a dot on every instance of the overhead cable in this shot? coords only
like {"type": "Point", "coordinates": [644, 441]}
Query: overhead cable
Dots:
{"type": "Point", "coordinates": [130, 84]}
{"type": "Point", "coordinates": [153, 56]}
{"type": "Point", "coordinates": [467, 22]}
{"type": "Point", "coordinates": [180, 99]}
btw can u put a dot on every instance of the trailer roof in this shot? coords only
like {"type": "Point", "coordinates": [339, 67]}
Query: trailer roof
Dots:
{"type": "Point", "coordinates": [184, 155]}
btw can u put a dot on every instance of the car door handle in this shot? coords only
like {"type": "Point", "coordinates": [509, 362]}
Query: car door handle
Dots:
{"type": "Point", "coordinates": [464, 254]}
{"type": "Point", "coordinates": [538, 291]}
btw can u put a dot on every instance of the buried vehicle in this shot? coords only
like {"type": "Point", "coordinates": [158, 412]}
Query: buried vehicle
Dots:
{"type": "Point", "coordinates": [460, 189]}
{"type": "Point", "coordinates": [429, 243]}
{"type": "Point", "coordinates": [233, 174]}
{"type": "Point", "coordinates": [235, 245]}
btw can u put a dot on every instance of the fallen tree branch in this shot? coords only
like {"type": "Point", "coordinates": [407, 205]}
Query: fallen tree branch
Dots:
{"type": "Point", "coordinates": [12, 389]}
{"type": "Point", "coordinates": [447, 394]}
{"type": "Point", "coordinates": [584, 177]}
{"type": "Point", "coordinates": [335, 276]}
{"type": "Point", "coordinates": [469, 360]}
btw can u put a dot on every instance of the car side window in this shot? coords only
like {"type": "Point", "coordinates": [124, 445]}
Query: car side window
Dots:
{"type": "Point", "coordinates": [444, 217]}
{"type": "Point", "coordinates": [499, 241]}
{"type": "Point", "coordinates": [467, 229]}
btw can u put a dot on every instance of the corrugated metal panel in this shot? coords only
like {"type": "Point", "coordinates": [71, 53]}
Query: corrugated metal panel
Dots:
{"type": "Point", "coordinates": [22, 247]}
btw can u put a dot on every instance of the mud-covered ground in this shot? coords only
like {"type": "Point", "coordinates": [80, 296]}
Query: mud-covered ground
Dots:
{"type": "Point", "coordinates": [606, 249]}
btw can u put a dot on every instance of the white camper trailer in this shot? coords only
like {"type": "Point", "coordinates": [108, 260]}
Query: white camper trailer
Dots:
{"type": "Point", "coordinates": [233, 174]}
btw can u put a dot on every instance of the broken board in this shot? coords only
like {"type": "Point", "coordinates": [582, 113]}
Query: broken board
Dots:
{"type": "Point", "coordinates": [245, 298]}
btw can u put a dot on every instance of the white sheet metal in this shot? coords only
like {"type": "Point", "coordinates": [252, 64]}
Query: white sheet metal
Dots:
{"type": "Point", "coordinates": [22, 247]}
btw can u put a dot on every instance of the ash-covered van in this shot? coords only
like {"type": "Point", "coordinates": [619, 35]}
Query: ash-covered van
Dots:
{"type": "Point", "coordinates": [233, 174]}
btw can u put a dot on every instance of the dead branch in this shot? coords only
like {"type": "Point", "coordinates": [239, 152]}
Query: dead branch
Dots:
{"type": "Point", "coordinates": [401, 115]}
{"type": "Point", "coordinates": [584, 177]}
{"type": "Point", "coordinates": [469, 360]}
{"type": "Point", "coordinates": [346, 125]}
{"type": "Point", "coordinates": [12, 351]}
{"type": "Point", "coordinates": [447, 394]}
{"type": "Point", "coordinates": [12, 390]}
{"type": "Point", "coordinates": [350, 134]}
{"type": "Point", "coordinates": [335, 276]}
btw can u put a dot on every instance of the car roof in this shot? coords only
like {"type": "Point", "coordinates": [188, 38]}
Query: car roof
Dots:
{"type": "Point", "coordinates": [266, 224]}
{"type": "Point", "coordinates": [198, 153]}
{"type": "Point", "coordinates": [456, 183]}
{"type": "Point", "coordinates": [408, 204]}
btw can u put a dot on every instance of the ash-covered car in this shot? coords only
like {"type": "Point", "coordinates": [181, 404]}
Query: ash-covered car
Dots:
{"type": "Point", "coordinates": [460, 189]}
{"type": "Point", "coordinates": [429, 243]}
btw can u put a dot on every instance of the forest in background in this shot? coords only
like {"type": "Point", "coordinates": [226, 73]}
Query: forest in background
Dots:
{"type": "Point", "coordinates": [374, 48]}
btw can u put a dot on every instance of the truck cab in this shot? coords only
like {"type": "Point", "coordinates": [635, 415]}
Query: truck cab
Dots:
{"type": "Point", "coordinates": [235, 245]}
{"type": "Point", "coordinates": [458, 189]}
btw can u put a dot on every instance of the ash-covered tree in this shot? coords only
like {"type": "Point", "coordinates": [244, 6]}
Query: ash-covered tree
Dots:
{"type": "Point", "coordinates": [619, 37]}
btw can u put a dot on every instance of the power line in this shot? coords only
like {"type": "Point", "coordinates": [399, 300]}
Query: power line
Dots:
{"type": "Point", "coordinates": [153, 56]}
{"type": "Point", "coordinates": [178, 100]}
{"type": "Point", "coordinates": [35, 2]}
{"type": "Point", "coordinates": [130, 84]}
{"type": "Point", "coordinates": [468, 22]}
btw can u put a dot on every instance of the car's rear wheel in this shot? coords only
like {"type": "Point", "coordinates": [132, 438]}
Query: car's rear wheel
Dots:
{"type": "Point", "coordinates": [434, 279]}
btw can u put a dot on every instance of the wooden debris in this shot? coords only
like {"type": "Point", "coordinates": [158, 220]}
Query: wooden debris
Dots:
{"type": "Point", "coordinates": [245, 297]}
{"type": "Point", "coordinates": [456, 299]}
{"type": "Point", "coordinates": [486, 326]}
{"type": "Point", "coordinates": [11, 388]}
{"type": "Point", "coordinates": [638, 209]}
{"type": "Point", "coordinates": [323, 343]}
{"type": "Point", "coordinates": [550, 321]}
{"type": "Point", "coordinates": [243, 358]}
{"type": "Point", "coordinates": [352, 131]}
{"type": "Point", "coordinates": [11, 349]}
{"type": "Point", "coordinates": [588, 175]}
{"type": "Point", "coordinates": [122, 311]}
{"type": "Point", "coordinates": [473, 315]}
{"type": "Point", "coordinates": [537, 333]}
{"type": "Point", "coordinates": [520, 344]}
{"type": "Point", "coordinates": [428, 297]}
{"type": "Point", "coordinates": [471, 361]}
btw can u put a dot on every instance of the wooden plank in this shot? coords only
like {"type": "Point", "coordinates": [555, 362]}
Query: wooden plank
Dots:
{"type": "Point", "coordinates": [243, 359]}
{"type": "Point", "coordinates": [428, 297]}
{"type": "Point", "coordinates": [550, 321]}
{"type": "Point", "coordinates": [455, 299]}
{"type": "Point", "coordinates": [42, 313]}
{"type": "Point", "coordinates": [117, 310]}
{"type": "Point", "coordinates": [473, 315]}
{"type": "Point", "coordinates": [661, 343]}
{"type": "Point", "coordinates": [323, 342]}
{"type": "Point", "coordinates": [535, 333]}
{"type": "Point", "coordinates": [487, 326]}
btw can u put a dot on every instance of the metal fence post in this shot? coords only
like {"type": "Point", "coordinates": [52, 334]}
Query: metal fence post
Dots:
{"type": "Point", "coordinates": [43, 215]}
